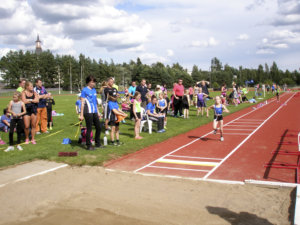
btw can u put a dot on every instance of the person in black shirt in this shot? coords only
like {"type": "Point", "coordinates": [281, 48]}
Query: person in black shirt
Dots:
{"type": "Point", "coordinates": [204, 85]}
{"type": "Point", "coordinates": [110, 94]}
{"type": "Point", "coordinates": [142, 88]}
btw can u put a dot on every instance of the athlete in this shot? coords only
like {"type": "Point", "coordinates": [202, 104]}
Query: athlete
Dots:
{"type": "Point", "coordinates": [218, 115]}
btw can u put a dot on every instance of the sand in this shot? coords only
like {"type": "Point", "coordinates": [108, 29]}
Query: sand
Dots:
{"type": "Point", "coordinates": [93, 195]}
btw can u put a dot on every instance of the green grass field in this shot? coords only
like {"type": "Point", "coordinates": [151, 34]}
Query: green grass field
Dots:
{"type": "Point", "coordinates": [48, 145]}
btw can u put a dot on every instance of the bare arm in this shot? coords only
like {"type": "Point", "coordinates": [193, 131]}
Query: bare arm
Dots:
{"type": "Point", "coordinates": [9, 109]}
{"type": "Point", "coordinates": [82, 108]}
{"type": "Point", "coordinates": [36, 98]}
{"type": "Point", "coordinates": [225, 109]}
{"type": "Point", "coordinates": [134, 109]}
{"type": "Point", "coordinates": [209, 108]}
{"type": "Point", "coordinates": [118, 112]}
{"type": "Point", "coordinates": [26, 101]}
{"type": "Point", "coordinates": [24, 110]}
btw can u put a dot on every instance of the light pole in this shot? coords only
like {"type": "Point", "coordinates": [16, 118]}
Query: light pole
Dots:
{"type": "Point", "coordinates": [58, 72]}
{"type": "Point", "coordinates": [70, 78]}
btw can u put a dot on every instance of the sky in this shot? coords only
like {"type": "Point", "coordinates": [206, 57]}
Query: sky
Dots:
{"type": "Point", "coordinates": [191, 32]}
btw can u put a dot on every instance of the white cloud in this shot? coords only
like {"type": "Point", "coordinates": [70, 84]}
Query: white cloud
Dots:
{"type": "Point", "coordinates": [243, 37]}
{"type": "Point", "coordinates": [265, 52]}
{"type": "Point", "coordinates": [4, 51]}
{"type": "Point", "coordinates": [170, 52]}
{"type": "Point", "coordinates": [211, 42]}
{"type": "Point", "coordinates": [150, 58]}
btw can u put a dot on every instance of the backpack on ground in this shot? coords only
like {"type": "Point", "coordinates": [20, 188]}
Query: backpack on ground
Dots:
{"type": "Point", "coordinates": [82, 137]}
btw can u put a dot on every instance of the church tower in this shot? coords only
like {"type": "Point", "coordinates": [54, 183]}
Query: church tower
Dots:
{"type": "Point", "coordinates": [38, 45]}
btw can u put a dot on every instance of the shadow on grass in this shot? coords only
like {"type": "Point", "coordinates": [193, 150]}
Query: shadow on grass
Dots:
{"type": "Point", "coordinates": [237, 218]}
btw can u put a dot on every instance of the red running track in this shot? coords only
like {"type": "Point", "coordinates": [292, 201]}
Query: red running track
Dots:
{"type": "Point", "coordinates": [250, 137]}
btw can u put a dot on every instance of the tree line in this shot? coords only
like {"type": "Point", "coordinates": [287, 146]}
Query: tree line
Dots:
{"type": "Point", "coordinates": [71, 71]}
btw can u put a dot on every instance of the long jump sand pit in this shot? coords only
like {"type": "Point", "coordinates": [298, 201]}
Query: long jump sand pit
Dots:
{"type": "Point", "coordinates": [93, 195]}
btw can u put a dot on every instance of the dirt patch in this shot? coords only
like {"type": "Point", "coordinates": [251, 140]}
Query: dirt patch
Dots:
{"type": "Point", "coordinates": [93, 195]}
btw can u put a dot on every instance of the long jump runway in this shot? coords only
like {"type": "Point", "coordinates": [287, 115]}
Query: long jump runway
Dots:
{"type": "Point", "coordinates": [251, 135]}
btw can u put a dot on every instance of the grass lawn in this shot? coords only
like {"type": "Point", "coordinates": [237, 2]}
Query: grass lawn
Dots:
{"type": "Point", "coordinates": [48, 145]}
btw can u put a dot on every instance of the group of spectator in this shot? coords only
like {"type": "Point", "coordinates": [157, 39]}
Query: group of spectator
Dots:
{"type": "Point", "coordinates": [29, 109]}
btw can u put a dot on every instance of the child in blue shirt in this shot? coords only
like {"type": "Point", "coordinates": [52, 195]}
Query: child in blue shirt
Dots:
{"type": "Point", "coordinates": [5, 121]}
{"type": "Point", "coordinates": [78, 104]}
{"type": "Point", "coordinates": [115, 115]}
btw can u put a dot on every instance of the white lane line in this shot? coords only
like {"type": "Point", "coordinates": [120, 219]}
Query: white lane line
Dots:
{"type": "Point", "coordinates": [236, 133]}
{"type": "Point", "coordinates": [193, 157]}
{"type": "Point", "coordinates": [249, 122]}
{"type": "Point", "coordinates": [187, 162]}
{"type": "Point", "coordinates": [239, 145]}
{"type": "Point", "coordinates": [241, 125]}
{"type": "Point", "coordinates": [173, 168]}
{"type": "Point", "coordinates": [227, 124]}
{"type": "Point", "coordinates": [36, 174]}
{"type": "Point", "coordinates": [238, 129]}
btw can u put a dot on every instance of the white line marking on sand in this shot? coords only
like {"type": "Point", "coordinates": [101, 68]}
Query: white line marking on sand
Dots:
{"type": "Point", "coordinates": [36, 174]}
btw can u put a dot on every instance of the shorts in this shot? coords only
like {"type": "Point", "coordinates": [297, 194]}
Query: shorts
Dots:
{"type": "Point", "coordinates": [138, 114]}
{"type": "Point", "coordinates": [218, 117]}
{"type": "Point", "coordinates": [201, 104]}
{"type": "Point", "coordinates": [113, 124]}
{"type": "Point", "coordinates": [185, 106]}
{"type": "Point", "coordinates": [191, 97]}
{"type": "Point", "coordinates": [30, 111]}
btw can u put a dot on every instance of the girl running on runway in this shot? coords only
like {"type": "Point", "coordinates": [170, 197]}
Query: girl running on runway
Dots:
{"type": "Point", "coordinates": [218, 111]}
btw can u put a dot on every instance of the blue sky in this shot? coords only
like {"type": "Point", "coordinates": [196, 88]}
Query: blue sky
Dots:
{"type": "Point", "coordinates": [191, 32]}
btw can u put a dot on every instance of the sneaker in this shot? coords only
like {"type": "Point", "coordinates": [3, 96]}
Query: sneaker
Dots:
{"type": "Point", "coordinates": [118, 143]}
{"type": "Point", "coordinates": [215, 131]}
{"type": "Point", "coordinates": [107, 132]}
{"type": "Point", "coordinates": [46, 132]}
{"type": "Point", "coordinates": [113, 143]}
{"type": "Point", "coordinates": [33, 142]}
{"type": "Point", "coordinates": [2, 142]}
{"type": "Point", "coordinates": [10, 148]}
{"type": "Point", "coordinates": [27, 141]}
{"type": "Point", "coordinates": [19, 147]}
{"type": "Point", "coordinates": [221, 139]}
{"type": "Point", "coordinates": [50, 128]}
{"type": "Point", "coordinates": [38, 133]}
{"type": "Point", "coordinates": [138, 138]}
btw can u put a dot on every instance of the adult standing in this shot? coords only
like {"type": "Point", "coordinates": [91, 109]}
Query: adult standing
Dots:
{"type": "Point", "coordinates": [30, 99]}
{"type": "Point", "coordinates": [42, 108]}
{"type": "Point", "coordinates": [204, 85]}
{"type": "Point", "coordinates": [89, 112]}
{"type": "Point", "coordinates": [178, 92]}
{"type": "Point", "coordinates": [111, 94]}
{"type": "Point", "coordinates": [142, 88]}
{"type": "Point", "coordinates": [21, 87]}
{"type": "Point", "coordinates": [132, 89]}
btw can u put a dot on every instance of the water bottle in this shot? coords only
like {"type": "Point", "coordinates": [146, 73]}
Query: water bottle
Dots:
{"type": "Point", "coordinates": [105, 140]}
